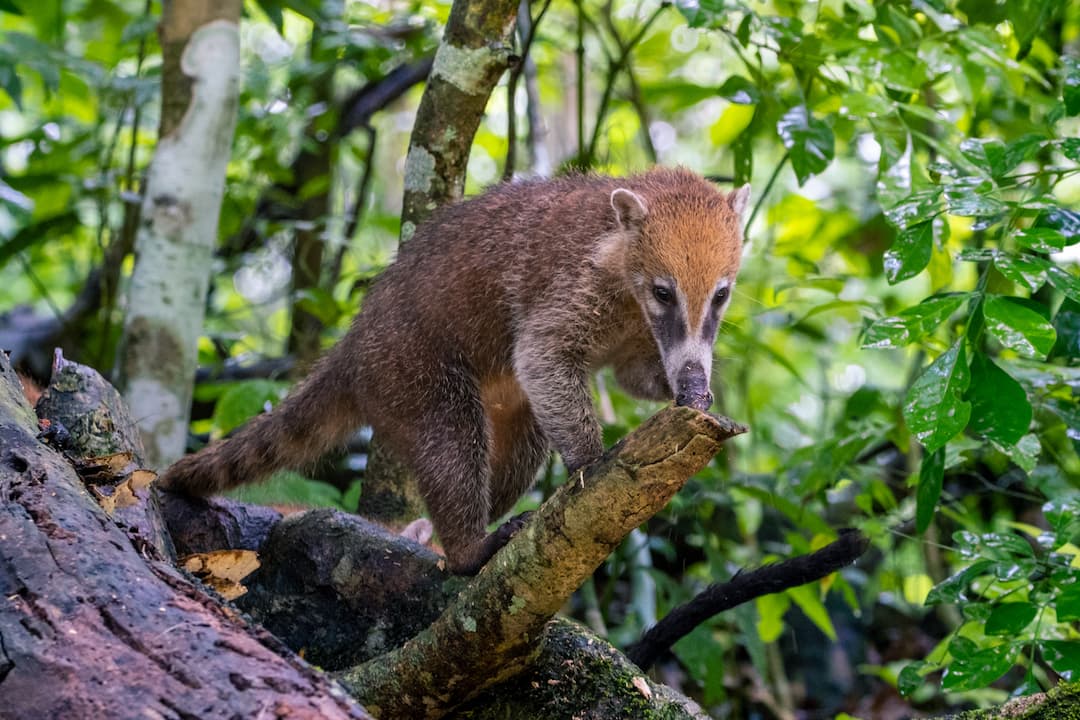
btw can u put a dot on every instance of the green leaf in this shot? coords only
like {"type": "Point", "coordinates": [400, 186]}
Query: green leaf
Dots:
{"type": "Point", "coordinates": [1067, 222]}
{"type": "Point", "coordinates": [1026, 270]}
{"type": "Point", "coordinates": [934, 410]}
{"type": "Point", "coordinates": [1063, 656]}
{"type": "Point", "coordinates": [243, 401]}
{"type": "Point", "coordinates": [809, 141]}
{"type": "Point", "coordinates": [952, 589]}
{"type": "Point", "coordinates": [1070, 85]}
{"type": "Point", "coordinates": [971, 200]}
{"type": "Point", "coordinates": [1070, 148]}
{"type": "Point", "coordinates": [808, 600]}
{"type": "Point", "coordinates": [910, 678]}
{"type": "Point", "coordinates": [1018, 328]}
{"type": "Point", "coordinates": [1067, 603]}
{"type": "Point", "coordinates": [1064, 281]}
{"type": "Point", "coordinates": [141, 27]}
{"type": "Point", "coordinates": [1063, 515]}
{"type": "Point", "coordinates": [9, 6]}
{"type": "Point", "coordinates": [771, 609]}
{"type": "Point", "coordinates": [11, 83]}
{"type": "Point", "coordinates": [1000, 409]}
{"type": "Point", "coordinates": [931, 475]}
{"type": "Point", "coordinates": [980, 669]}
{"type": "Point", "coordinates": [1010, 618]}
{"type": "Point", "coordinates": [912, 324]}
{"type": "Point", "coordinates": [1041, 239]}
{"type": "Point", "coordinates": [1067, 327]}
{"type": "Point", "coordinates": [740, 91]}
{"type": "Point", "coordinates": [915, 209]}
{"type": "Point", "coordinates": [1028, 18]}
{"type": "Point", "coordinates": [910, 252]}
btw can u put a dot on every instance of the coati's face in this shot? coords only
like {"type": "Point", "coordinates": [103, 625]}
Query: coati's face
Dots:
{"type": "Point", "coordinates": [682, 254]}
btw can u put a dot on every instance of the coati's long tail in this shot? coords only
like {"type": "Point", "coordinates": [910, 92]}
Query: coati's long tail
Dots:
{"type": "Point", "coordinates": [316, 417]}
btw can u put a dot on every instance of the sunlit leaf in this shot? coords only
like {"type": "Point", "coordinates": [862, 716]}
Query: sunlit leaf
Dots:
{"type": "Point", "coordinates": [910, 252]}
{"type": "Point", "coordinates": [1018, 328]}
{"type": "Point", "coordinates": [912, 324]}
{"type": "Point", "coordinates": [934, 409]}
{"type": "Point", "coordinates": [243, 401]}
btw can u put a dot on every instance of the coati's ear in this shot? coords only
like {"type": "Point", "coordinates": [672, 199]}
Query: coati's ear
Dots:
{"type": "Point", "coordinates": [739, 199]}
{"type": "Point", "coordinates": [630, 210]}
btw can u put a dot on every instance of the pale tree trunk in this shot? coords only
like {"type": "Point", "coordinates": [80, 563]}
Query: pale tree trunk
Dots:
{"type": "Point", "coordinates": [165, 304]}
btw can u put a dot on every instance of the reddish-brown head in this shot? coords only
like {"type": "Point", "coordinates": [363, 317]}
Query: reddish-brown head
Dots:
{"type": "Point", "coordinates": [683, 247]}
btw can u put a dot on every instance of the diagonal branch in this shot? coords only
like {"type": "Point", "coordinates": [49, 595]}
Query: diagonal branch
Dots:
{"type": "Point", "coordinates": [490, 631]}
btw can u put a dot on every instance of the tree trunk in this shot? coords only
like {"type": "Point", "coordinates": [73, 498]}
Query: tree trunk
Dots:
{"type": "Point", "coordinates": [174, 248]}
{"type": "Point", "coordinates": [96, 623]}
{"type": "Point", "coordinates": [474, 52]}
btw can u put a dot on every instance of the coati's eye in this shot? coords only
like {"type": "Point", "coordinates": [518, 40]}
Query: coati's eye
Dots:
{"type": "Point", "coordinates": [662, 294]}
{"type": "Point", "coordinates": [721, 296]}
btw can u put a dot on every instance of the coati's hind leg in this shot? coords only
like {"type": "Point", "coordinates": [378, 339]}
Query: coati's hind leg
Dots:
{"type": "Point", "coordinates": [448, 448]}
{"type": "Point", "coordinates": [518, 449]}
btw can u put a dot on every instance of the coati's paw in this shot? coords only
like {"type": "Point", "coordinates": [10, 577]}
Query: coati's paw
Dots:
{"type": "Point", "coordinates": [491, 544]}
{"type": "Point", "coordinates": [511, 527]}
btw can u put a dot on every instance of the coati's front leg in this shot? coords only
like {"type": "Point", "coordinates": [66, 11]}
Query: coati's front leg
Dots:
{"type": "Point", "coordinates": [556, 380]}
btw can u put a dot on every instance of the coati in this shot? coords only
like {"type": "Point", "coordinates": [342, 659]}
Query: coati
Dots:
{"type": "Point", "coordinates": [472, 354]}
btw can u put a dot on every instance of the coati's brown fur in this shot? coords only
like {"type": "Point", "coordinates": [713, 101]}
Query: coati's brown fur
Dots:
{"type": "Point", "coordinates": [472, 354]}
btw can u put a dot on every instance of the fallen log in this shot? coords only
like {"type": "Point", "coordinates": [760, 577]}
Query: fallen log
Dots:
{"type": "Point", "coordinates": [94, 625]}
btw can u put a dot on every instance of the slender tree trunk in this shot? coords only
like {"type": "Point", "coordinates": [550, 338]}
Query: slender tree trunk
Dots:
{"type": "Point", "coordinates": [474, 52]}
{"type": "Point", "coordinates": [174, 248]}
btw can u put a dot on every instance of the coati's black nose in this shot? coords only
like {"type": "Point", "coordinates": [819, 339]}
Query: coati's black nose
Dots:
{"type": "Point", "coordinates": [693, 388]}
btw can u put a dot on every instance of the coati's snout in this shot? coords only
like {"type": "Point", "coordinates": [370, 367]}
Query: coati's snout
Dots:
{"type": "Point", "coordinates": [692, 387]}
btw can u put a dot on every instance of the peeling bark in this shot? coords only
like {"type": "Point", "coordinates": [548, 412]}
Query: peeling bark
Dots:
{"type": "Point", "coordinates": [174, 247]}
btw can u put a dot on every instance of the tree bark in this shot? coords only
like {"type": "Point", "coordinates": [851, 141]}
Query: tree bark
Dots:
{"type": "Point", "coordinates": [474, 52]}
{"type": "Point", "coordinates": [490, 632]}
{"type": "Point", "coordinates": [175, 243]}
{"type": "Point", "coordinates": [93, 623]}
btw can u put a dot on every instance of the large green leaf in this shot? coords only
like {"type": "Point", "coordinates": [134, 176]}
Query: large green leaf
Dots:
{"type": "Point", "coordinates": [1000, 409]}
{"type": "Point", "coordinates": [910, 252]}
{"type": "Point", "coordinates": [1026, 270]}
{"type": "Point", "coordinates": [934, 409]}
{"type": "Point", "coordinates": [980, 668]}
{"type": "Point", "coordinates": [931, 475]}
{"type": "Point", "coordinates": [809, 141]}
{"type": "Point", "coordinates": [912, 324]}
{"type": "Point", "coordinates": [1010, 618]}
{"type": "Point", "coordinates": [1018, 328]}
{"type": "Point", "coordinates": [1063, 656]}
{"type": "Point", "coordinates": [1067, 603]}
